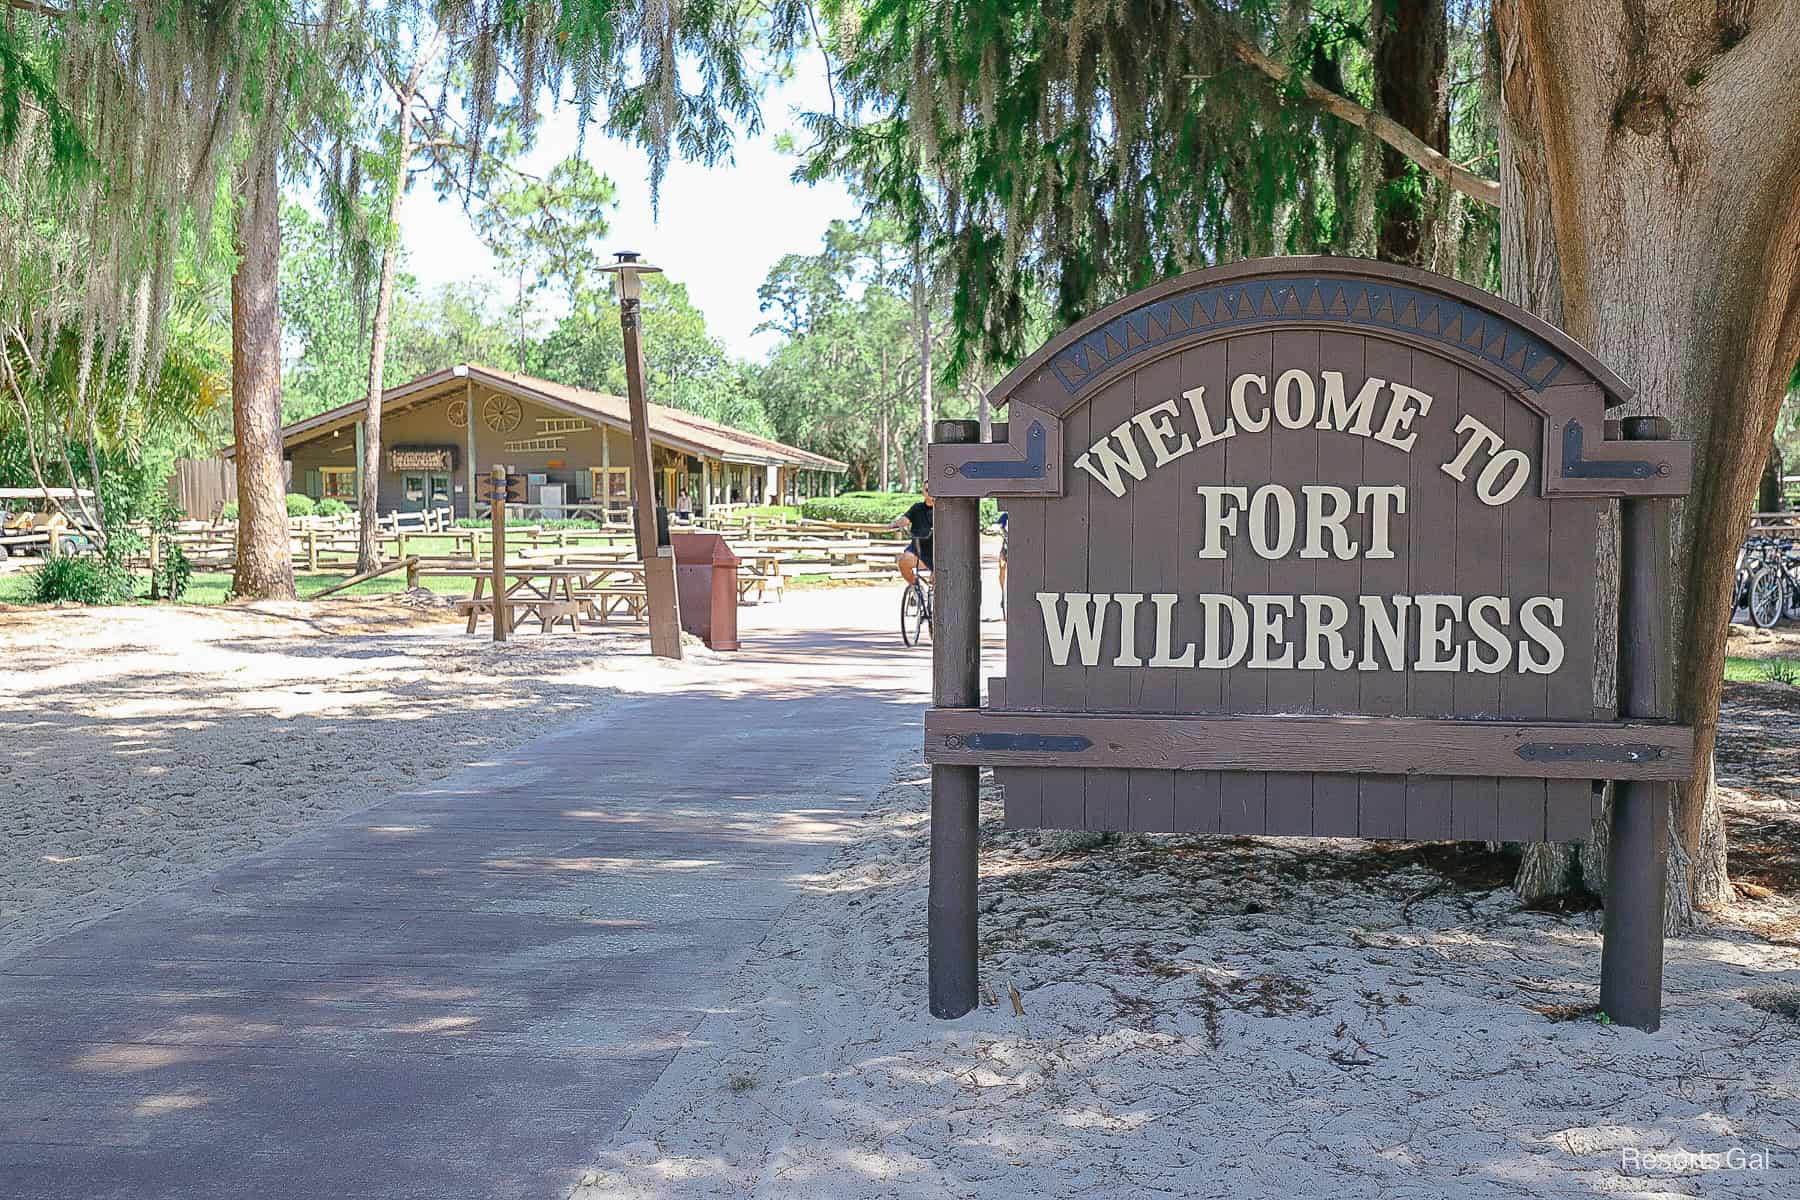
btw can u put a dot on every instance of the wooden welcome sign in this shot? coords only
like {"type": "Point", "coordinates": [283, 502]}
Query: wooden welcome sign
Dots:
{"type": "Point", "coordinates": [1305, 546]}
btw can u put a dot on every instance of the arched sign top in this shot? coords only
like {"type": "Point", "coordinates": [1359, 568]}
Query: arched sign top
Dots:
{"type": "Point", "coordinates": [1518, 351]}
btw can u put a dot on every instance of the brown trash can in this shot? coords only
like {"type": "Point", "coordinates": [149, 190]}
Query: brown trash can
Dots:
{"type": "Point", "coordinates": [706, 582]}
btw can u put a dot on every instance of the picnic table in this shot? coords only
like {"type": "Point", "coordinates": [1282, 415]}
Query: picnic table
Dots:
{"type": "Point", "coordinates": [547, 593]}
{"type": "Point", "coordinates": [557, 592]}
{"type": "Point", "coordinates": [611, 589]}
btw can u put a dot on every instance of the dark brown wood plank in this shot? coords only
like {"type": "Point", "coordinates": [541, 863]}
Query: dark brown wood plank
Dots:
{"type": "Point", "coordinates": [1111, 536]}
{"type": "Point", "coordinates": [1197, 794]}
{"type": "Point", "coordinates": [1399, 746]}
{"type": "Point", "coordinates": [1196, 801]}
{"type": "Point", "coordinates": [1025, 538]}
{"type": "Point", "coordinates": [1152, 801]}
{"type": "Point", "coordinates": [1475, 803]}
{"type": "Point", "coordinates": [1526, 548]}
{"type": "Point", "coordinates": [1294, 462]}
{"type": "Point", "coordinates": [1574, 533]}
{"type": "Point", "coordinates": [1434, 568]}
{"type": "Point", "coordinates": [1335, 794]}
{"type": "Point", "coordinates": [1382, 799]}
{"type": "Point", "coordinates": [1065, 570]}
{"type": "Point", "coordinates": [1243, 801]}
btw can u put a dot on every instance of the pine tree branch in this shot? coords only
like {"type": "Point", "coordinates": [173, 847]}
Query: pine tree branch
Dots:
{"type": "Point", "coordinates": [1396, 135]}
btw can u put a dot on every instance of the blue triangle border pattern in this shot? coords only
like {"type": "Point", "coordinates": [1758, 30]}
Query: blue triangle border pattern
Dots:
{"type": "Point", "coordinates": [1335, 302]}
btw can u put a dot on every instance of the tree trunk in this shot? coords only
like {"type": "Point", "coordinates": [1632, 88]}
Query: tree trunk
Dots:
{"type": "Point", "coordinates": [1670, 149]}
{"type": "Point", "coordinates": [368, 551]}
{"type": "Point", "coordinates": [1768, 492]}
{"type": "Point", "coordinates": [885, 477]}
{"type": "Point", "coordinates": [921, 302]}
{"type": "Point", "coordinates": [265, 566]}
{"type": "Point", "coordinates": [1410, 55]}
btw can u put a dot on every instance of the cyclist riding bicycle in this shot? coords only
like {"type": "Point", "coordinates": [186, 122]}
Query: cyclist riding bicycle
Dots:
{"type": "Point", "coordinates": [1003, 539]}
{"type": "Point", "coordinates": [917, 520]}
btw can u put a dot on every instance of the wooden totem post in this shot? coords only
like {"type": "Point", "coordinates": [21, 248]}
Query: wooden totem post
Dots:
{"type": "Point", "coordinates": [498, 565]}
{"type": "Point", "coordinates": [657, 556]}
{"type": "Point", "coordinates": [1631, 956]}
{"type": "Point", "coordinates": [955, 790]}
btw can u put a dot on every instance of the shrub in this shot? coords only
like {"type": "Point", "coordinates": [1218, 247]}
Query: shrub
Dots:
{"type": "Point", "coordinates": [1782, 670]}
{"type": "Point", "coordinates": [229, 512]}
{"type": "Point", "coordinates": [876, 508]}
{"type": "Point", "coordinates": [173, 571]}
{"type": "Point", "coordinates": [80, 580]}
{"type": "Point", "coordinates": [300, 506]}
{"type": "Point", "coordinates": [331, 506]}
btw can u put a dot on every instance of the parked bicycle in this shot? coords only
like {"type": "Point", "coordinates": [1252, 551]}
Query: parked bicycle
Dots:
{"type": "Point", "coordinates": [1767, 580]}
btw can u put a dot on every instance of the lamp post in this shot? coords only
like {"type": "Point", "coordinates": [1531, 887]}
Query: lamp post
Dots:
{"type": "Point", "coordinates": [652, 542]}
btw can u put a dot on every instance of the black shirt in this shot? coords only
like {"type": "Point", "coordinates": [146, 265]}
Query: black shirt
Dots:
{"type": "Point", "coordinates": [919, 517]}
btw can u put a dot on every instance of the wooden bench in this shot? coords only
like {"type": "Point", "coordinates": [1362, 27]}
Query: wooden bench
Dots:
{"type": "Point", "coordinates": [547, 612]}
{"type": "Point", "coordinates": [603, 603]}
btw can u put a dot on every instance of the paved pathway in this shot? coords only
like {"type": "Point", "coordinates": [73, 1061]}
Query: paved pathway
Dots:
{"type": "Point", "coordinates": [461, 992]}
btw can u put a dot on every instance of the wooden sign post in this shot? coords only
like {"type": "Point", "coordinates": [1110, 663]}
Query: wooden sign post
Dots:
{"type": "Point", "coordinates": [652, 540]}
{"type": "Point", "coordinates": [1309, 547]}
{"type": "Point", "coordinates": [499, 487]}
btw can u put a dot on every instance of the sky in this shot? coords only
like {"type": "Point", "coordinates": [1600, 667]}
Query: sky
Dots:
{"type": "Point", "coordinates": [719, 229]}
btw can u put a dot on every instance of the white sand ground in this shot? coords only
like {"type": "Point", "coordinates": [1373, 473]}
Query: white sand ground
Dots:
{"type": "Point", "coordinates": [1220, 1018]}
{"type": "Point", "coordinates": [142, 746]}
{"type": "Point", "coordinates": [1233, 1017]}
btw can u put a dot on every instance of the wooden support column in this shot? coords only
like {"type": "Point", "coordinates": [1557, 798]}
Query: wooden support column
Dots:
{"type": "Point", "coordinates": [605, 496]}
{"type": "Point", "coordinates": [469, 441]}
{"type": "Point", "coordinates": [1631, 957]}
{"type": "Point", "coordinates": [955, 790]}
{"type": "Point", "coordinates": [359, 458]}
{"type": "Point", "coordinates": [658, 559]}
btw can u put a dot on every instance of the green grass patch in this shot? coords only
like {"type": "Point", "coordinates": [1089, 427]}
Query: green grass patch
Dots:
{"type": "Point", "coordinates": [210, 587]}
{"type": "Point", "coordinates": [771, 512]}
{"type": "Point", "coordinates": [1762, 670]}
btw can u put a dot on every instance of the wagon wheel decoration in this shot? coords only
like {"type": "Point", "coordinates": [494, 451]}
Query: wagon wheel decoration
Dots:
{"type": "Point", "coordinates": [457, 413]}
{"type": "Point", "coordinates": [502, 413]}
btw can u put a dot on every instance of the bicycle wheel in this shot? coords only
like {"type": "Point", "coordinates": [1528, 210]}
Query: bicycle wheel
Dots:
{"type": "Point", "coordinates": [1791, 610]}
{"type": "Point", "coordinates": [912, 614]}
{"type": "Point", "coordinates": [1767, 592]}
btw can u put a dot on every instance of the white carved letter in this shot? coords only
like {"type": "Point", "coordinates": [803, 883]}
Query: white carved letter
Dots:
{"type": "Point", "coordinates": [1239, 386]}
{"type": "Point", "coordinates": [1112, 462]}
{"type": "Point", "coordinates": [1406, 404]}
{"type": "Point", "coordinates": [1437, 629]}
{"type": "Point", "coordinates": [1541, 634]}
{"type": "Point", "coordinates": [1084, 618]}
{"type": "Point", "coordinates": [1216, 517]}
{"type": "Point", "coordinates": [1283, 500]}
{"type": "Point", "coordinates": [1327, 509]}
{"type": "Point", "coordinates": [1159, 428]}
{"type": "Point", "coordinates": [1292, 417]}
{"type": "Point", "coordinates": [1165, 633]}
{"type": "Point", "coordinates": [1355, 416]}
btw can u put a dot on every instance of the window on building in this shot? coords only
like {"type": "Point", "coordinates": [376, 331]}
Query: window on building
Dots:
{"type": "Point", "coordinates": [337, 483]}
{"type": "Point", "coordinates": [612, 483]}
